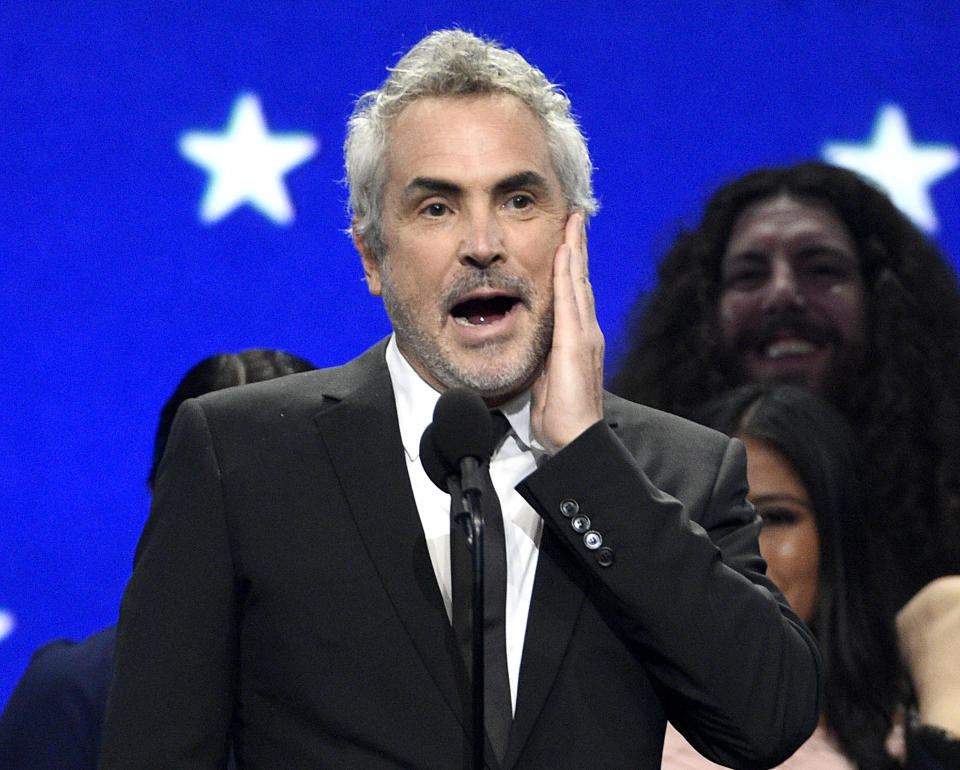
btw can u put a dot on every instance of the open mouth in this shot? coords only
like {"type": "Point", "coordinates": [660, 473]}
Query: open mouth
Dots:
{"type": "Point", "coordinates": [788, 348]}
{"type": "Point", "coordinates": [480, 311]}
{"type": "Point", "coordinates": [780, 340]}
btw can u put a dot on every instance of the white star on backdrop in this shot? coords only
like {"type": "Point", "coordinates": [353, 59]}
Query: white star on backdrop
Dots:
{"type": "Point", "coordinates": [7, 623]}
{"type": "Point", "coordinates": [247, 163]}
{"type": "Point", "coordinates": [903, 169]}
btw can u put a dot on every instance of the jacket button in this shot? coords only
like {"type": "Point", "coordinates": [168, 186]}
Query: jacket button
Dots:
{"type": "Point", "coordinates": [580, 523]}
{"type": "Point", "coordinates": [593, 540]}
{"type": "Point", "coordinates": [605, 557]}
{"type": "Point", "coordinates": [569, 507]}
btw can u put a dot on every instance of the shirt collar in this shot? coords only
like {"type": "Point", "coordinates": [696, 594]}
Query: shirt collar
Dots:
{"type": "Point", "coordinates": [416, 400]}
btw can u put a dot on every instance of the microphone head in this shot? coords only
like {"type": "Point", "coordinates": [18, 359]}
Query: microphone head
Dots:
{"type": "Point", "coordinates": [461, 427]}
{"type": "Point", "coordinates": [430, 459]}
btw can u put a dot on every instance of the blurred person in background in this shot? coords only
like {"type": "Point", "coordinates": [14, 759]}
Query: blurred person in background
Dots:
{"type": "Point", "coordinates": [809, 274]}
{"type": "Point", "coordinates": [812, 486]}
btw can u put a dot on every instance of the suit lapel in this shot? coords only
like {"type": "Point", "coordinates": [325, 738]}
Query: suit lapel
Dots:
{"type": "Point", "coordinates": [360, 431]}
{"type": "Point", "coordinates": [358, 426]}
{"type": "Point", "coordinates": [558, 595]}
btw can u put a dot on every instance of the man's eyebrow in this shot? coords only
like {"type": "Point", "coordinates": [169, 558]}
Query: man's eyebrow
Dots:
{"type": "Point", "coordinates": [816, 248]}
{"type": "Point", "coordinates": [747, 254]}
{"type": "Point", "coordinates": [423, 184]}
{"type": "Point", "coordinates": [529, 179]}
{"type": "Point", "coordinates": [522, 179]}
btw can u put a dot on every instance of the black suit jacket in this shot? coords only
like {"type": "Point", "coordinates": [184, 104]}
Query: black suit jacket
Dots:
{"type": "Point", "coordinates": [283, 598]}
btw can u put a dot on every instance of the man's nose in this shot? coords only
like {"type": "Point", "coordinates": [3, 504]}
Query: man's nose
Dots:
{"type": "Point", "coordinates": [783, 289]}
{"type": "Point", "coordinates": [481, 244]}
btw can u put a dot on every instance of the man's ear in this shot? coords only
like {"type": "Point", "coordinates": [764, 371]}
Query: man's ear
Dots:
{"type": "Point", "coordinates": [371, 267]}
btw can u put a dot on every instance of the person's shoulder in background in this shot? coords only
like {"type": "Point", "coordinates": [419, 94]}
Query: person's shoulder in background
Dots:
{"type": "Point", "coordinates": [54, 716]}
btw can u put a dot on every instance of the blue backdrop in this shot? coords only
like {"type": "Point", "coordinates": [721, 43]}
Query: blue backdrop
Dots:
{"type": "Point", "coordinates": [133, 243]}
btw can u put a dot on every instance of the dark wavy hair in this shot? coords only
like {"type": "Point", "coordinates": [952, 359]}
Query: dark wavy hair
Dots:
{"type": "Point", "coordinates": [855, 632]}
{"type": "Point", "coordinates": [223, 370]}
{"type": "Point", "coordinates": [904, 405]}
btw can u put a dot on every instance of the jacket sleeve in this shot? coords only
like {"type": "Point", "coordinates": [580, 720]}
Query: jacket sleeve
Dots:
{"type": "Point", "coordinates": [174, 667]}
{"type": "Point", "coordinates": [681, 575]}
{"type": "Point", "coordinates": [930, 748]}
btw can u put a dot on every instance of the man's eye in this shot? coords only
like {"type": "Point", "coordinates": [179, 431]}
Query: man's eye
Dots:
{"type": "Point", "coordinates": [745, 277]}
{"type": "Point", "coordinates": [436, 209]}
{"type": "Point", "coordinates": [827, 269]}
{"type": "Point", "coordinates": [827, 262]}
{"type": "Point", "coordinates": [778, 517]}
{"type": "Point", "coordinates": [519, 201]}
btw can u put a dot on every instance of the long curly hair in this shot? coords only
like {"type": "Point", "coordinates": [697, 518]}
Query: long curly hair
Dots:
{"type": "Point", "coordinates": [904, 405]}
{"type": "Point", "coordinates": [863, 680]}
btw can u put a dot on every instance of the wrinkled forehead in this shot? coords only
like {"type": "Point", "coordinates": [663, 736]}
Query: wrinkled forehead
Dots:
{"type": "Point", "coordinates": [455, 137]}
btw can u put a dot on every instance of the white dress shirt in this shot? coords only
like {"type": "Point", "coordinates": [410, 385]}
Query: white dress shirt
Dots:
{"type": "Point", "coordinates": [516, 458]}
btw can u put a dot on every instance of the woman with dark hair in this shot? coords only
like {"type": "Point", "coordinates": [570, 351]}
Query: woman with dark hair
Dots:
{"type": "Point", "coordinates": [807, 481]}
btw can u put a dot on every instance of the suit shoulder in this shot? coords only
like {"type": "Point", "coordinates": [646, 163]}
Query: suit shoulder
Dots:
{"type": "Point", "coordinates": [629, 417]}
{"type": "Point", "coordinates": [293, 393]}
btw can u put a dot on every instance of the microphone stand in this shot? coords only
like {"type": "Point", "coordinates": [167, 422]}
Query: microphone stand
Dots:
{"type": "Point", "coordinates": [470, 518]}
{"type": "Point", "coordinates": [451, 450]}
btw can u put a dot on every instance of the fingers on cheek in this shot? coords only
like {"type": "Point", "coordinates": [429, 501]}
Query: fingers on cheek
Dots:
{"type": "Point", "coordinates": [558, 263]}
{"type": "Point", "coordinates": [563, 274]}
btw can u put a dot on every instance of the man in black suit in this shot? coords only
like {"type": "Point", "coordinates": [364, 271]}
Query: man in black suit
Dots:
{"type": "Point", "coordinates": [291, 593]}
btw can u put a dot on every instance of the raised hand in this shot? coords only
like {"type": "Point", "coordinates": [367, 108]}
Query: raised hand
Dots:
{"type": "Point", "coordinates": [928, 627]}
{"type": "Point", "coordinates": [567, 398]}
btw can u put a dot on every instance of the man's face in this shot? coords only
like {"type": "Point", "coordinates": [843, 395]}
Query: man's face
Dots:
{"type": "Point", "coordinates": [473, 214]}
{"type": "Point", "coordinates": [792, 294]}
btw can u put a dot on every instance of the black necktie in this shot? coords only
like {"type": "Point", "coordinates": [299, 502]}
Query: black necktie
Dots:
{"type": "Point", "coordinates": [498, 711]}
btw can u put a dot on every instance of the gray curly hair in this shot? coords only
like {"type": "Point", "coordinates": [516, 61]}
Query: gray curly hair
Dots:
{"type": "Point", "coordinates": [457, 63]}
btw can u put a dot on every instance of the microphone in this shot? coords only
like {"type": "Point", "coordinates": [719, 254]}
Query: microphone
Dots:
{"type": "Point", "coordinates": [433, 466]}
{"type": "Point", "coordinates": [458, 440]}
{"type": "Point", "coordinates": [452, 449]}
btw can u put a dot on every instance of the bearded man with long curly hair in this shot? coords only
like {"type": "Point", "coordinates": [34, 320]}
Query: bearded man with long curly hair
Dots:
{"type": "Point", "coordinates": [810, 274]}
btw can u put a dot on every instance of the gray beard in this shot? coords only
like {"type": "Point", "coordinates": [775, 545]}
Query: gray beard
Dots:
{"type": "Point", "coordinates": [499, 381]}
